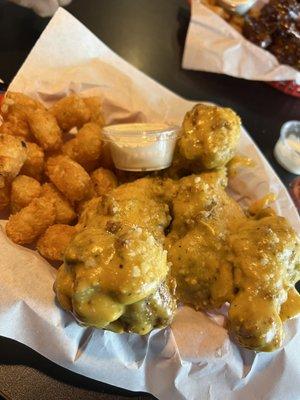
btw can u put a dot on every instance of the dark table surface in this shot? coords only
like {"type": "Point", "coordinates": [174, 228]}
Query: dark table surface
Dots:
{"type": "Point", "coordinates": [150, 35]}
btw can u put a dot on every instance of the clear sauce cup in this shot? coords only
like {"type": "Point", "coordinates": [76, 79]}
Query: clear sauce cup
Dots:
{"type": "Point", "coordinates": [287, 149]}
{"type": "Point", "coordinates": [141, 146]}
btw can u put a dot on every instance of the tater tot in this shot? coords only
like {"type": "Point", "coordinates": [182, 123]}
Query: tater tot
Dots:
{"type": "Point", "coordinates": [65, 213]}
{"type": "Point", "coordinates": [16, 125]}
{"type": "Point", "coordinates": [53, 243]}
{"type": "Point", "coordinates": [13, 154]}
{"type": "Point", "coordinates": [45, 129]}
{"type": "Point", "coordinates": [34, 164]}
{"type": "Point", "coordinates": [23, 190]}
{"type": "Point", "coordinates": [94, 104]}
{"type": "Point", "coordinates": [86, 147]}
{"type": "Point", "coordinates": [14, 110]}
{"type": "Point", "coordinates": [70, 112]}
{"type": "Point", "coordinates": [4, 197]}
{"type": "Point", "coordinates": [69, 177]}
{"type": "Point", "coordinates": [29, 223]}
{"type": "Point", "coordinates": [104, 181]}
{"type": "Point", "coordinates": [16, 100]}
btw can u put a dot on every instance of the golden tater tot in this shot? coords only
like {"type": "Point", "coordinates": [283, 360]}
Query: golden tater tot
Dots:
{"type": "Point", "coordinates": [69, 177]}
{"type": "Point", "coordinates": [70, 112]}
{"type": "Point", "coordinates": [29, 223]}
{"type": "Point", "coordinates": [45, 129]}
{"type": "Point", "coordinates": [16, 100]}
{"type": "Point", "coordinates": [23, 190]}
{"type": "Point", "coordinates": [4, 197]}
{"type": "Point", "coordinates": [34, 164]}
{"type": "Point", "coordinates": [16, 125]}
{"type": "Point", "coordinates": [13, 154]}
{"type": "Point", "coordinates": [104, 181]}
{"type": "Point", "coordinates": [86, 147]}
{"type": "Point", "coordinates": [65, 213]}
{"type": "Point", "coordinates": [94, 104]}
{"type": "Point", "coordinates": [53, 243]}
{"type": "Point", "coordinates": [14, 109]}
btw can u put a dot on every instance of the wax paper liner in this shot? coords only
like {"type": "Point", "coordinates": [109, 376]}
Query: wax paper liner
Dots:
{"type": "Point", "coordinates": [195, 358]}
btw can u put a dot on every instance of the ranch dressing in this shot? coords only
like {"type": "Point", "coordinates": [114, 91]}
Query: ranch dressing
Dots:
{"type": "Point", "coordinates": [141, 146]}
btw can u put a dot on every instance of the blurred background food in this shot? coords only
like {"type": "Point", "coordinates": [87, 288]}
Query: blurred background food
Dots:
{"type": "Point", "coordinates": [274, 27]}
{"type": "Point", "coordinates": [237, 21]}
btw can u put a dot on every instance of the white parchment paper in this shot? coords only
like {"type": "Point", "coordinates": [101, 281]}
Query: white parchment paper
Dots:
{"type": "Point", "coordinates": [194, 359]}
{"type": "Point", "coordinates": [215, 46]}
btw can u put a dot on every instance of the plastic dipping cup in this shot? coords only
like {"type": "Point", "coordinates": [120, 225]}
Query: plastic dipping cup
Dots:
{"type": "Point", "coordinates": [287, 149]}
{"type": "Point", "coordinates": [237, 6]}
{"type": "Point", "coordinates": [141, 146]}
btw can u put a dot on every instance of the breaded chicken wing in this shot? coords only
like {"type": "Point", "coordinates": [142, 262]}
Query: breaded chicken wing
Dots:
{"type": "Point", "coordinates": [209, 136]}
{"type": "Point", "coordinates": [104, 272]}
{"type": "Point", "coordinates": [220, 255]}
{"type": "Point", "coordinates": [265, 256]}
{"type": "Point", "coordinates": [115, 270]}
{"type": "Point", "coordinates": [203, 218]}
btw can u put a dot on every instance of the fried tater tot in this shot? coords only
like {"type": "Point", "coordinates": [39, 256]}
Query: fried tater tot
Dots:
{"type": "Point", "coordinates": [65, 213]}
{"type": "Point", "coordinates": [86, 147]}
{"type": "Point", "coordinates": [104, 181]}
{"type": "Point", "coordinates": [53, 243]}
{"type": "Point", "coordinates": [16, 125]}
{"type": "Point", "coordinates": [29, 223]}
{"type": "Point", "coordinates": [16, 100]}
{"type": "Point", "coordinates": [69, 177]}
{"type": "Point", "coordinates": [45, 129]}
{"type": "Point", "coordinates": [34, 164]}
{"type": "Point", "coordinates": [14, 110]}
{"type": "Point", "coordinates": [23, 190]}
{"type": "Point", "coordinates": [70, 112]}
{"type": "Point", "coordinates": [4, 197]}
{"type": "Point", "coordinates": [13, 154]}
{"type": "Point", "coordinates": [6, 129]}
{"type": "Point", "coordinates": [94, 104]}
